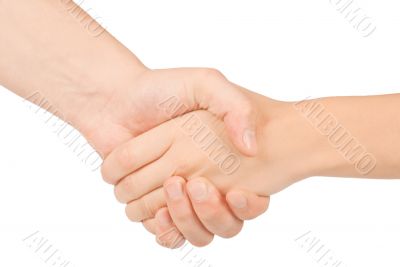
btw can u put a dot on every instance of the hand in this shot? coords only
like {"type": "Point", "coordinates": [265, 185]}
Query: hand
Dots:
{"type": "Point", "coordinates": [167, 91]}
{"type": "Point", "coordinates": [171, 149]}
{"type": "Point", "coordinates": [152, 97]}
{"type": "Point", "coordinates": [157, 96]}
{"type": "Point", "coordinates": [170, 93]}
{"type": "Point", "coordinates": [194, 219]}
{"type": "Point", "coordinates": [196, 145]}
{"type": "Point", "coordinates": [97, 83]}
{"type": "Point", "coordinates": [102, 89]}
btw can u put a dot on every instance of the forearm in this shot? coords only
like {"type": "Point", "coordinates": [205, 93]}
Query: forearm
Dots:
{"type": "Point", "coordinates": [340, 136]}
{"type": "Point", "coordinates": [47, 47]}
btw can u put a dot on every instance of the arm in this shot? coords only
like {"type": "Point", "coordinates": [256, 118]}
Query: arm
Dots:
{"type": "Point", "coordinates": [55, 48]}
{"type": "Point", "coordinates": [337, 136]}
{"type": "Point", "coordinates": [358, 136]}
{"type": "Point", "coordinates": [49, 50]}
{"type": "Point", "coordinates": [55, 55]}
{"type": "Point", "coordinates": [48, 46]}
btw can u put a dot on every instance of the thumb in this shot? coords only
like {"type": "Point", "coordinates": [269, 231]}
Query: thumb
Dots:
{"type": "Point", "coordinates": [228, 101]}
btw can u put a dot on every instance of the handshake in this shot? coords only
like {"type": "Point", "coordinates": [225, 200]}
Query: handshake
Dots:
{"type": "Point", "coordinates": [187, 150]}
{"type": "Point", "coordinates": [205, 155]}
{"type": "Point", "coordinates": [193, 155]}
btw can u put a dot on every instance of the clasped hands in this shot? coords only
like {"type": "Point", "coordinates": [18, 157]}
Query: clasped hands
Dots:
{"type": "Point", "coordinates": [189, 152]}
{"type": "Point", "coordinates": [185, 148]}
{"type": "Point", "coordinates": [212, 163]}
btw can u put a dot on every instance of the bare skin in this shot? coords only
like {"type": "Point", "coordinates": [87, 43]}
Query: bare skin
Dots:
{"type": "Point", "coordinates": [336, 136]}
{"type": "Point", "coordinates": [45, 47]}
{"type": "Point", "coordinates": [97, 83]}
{"type": "Point", "coordinates": [100, 87]}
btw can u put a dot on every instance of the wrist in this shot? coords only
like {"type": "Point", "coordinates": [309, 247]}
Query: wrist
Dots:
{"type": "Point", "coordinates": [81, 87]}
{"type": "Point", "coordinates": [72, 73]}
{"type": "Point", "coordinates": [292, 146]}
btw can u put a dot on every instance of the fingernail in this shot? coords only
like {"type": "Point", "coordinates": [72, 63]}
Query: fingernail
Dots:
{"type": "Point", "coordinates": [198, 190]}
{"type": "Point", "coordinates": [174, 190]}
{"type": "Point", "coordinates": [249, 139]}
{"type": "Point", "coordinates": [238, 201]}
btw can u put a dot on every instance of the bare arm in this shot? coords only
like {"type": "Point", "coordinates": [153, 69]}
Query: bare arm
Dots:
{"type": "Point", "coordinates": [359, 135]}
{"type": "Point", "coordinates": [56, 48]}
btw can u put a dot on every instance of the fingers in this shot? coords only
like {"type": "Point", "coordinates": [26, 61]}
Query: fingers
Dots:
{"type": "Point", "coordinates": [146, 207]}
{"type": "Point", "coordinates": [150, 225]}
{"type": "Point", "coordinates": [211, 208]}
{"type": "Point", "coordinates": [137, 153]}
{"type": "Point", "coordinates": [214, 215]}
{"type": "Point", "coordinates": [246, 205]}
{"type": "Point", "coordinates": [166, 232]}
{"type": "Point", "coordinates": [232, 104]}
{"type": "Point", "coordinates": [182, 213]}
{"type": "Point", "coordinates": [143, 181]}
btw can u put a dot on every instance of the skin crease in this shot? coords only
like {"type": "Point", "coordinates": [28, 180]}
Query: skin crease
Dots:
{"type": "Point", "coordinates": [101, 88]}
{"type": "Point", "coordinates": [282, 159]}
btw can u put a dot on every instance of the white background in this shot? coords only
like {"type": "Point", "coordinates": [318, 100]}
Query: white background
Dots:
{"type": "Point", "coordinates": [285, 49]}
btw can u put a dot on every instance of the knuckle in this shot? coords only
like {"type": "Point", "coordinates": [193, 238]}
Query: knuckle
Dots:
{"type": "Point", "coordinates": [125, 156]}
{"type": "Point", "coordinates": [123, 189]}
{"type": "Point", "coordinates": [147, 224]}
{"type": "Point", "coordinates": [105, 173]}
{"type": "Point", "coordinates": [132, 213]}
{"type": "Point", "coordinates": [146, 208]}
{"type": "Point", "coordinates": [118, 194]}
{"type": "Point", "coordinates": [212, 73]}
